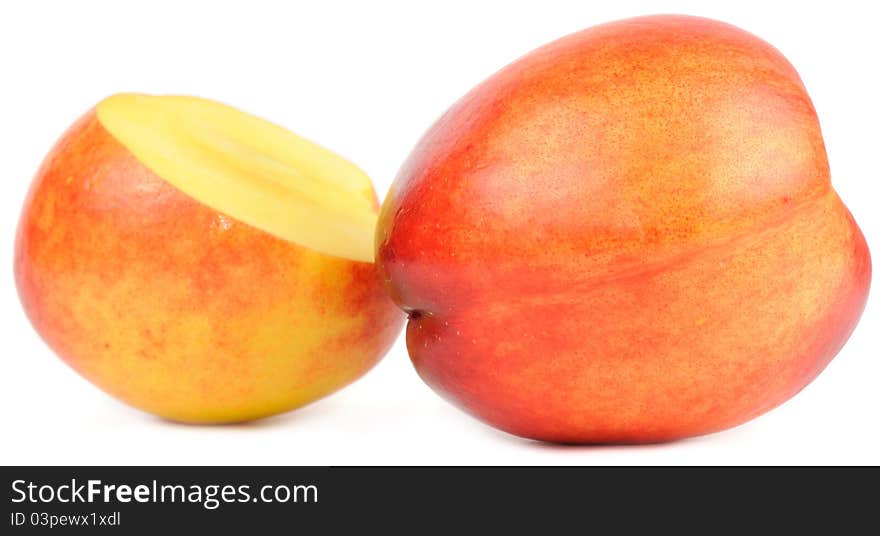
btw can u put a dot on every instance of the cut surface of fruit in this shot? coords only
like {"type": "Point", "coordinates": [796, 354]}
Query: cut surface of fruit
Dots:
{"type": "Point", "coordinates": [249, 169]}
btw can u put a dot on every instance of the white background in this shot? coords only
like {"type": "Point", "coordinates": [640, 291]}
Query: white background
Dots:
{"type": "Point", "coordinates": [366, 79]}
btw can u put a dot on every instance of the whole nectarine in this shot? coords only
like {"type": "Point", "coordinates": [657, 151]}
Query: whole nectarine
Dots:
{"type": "Point", "coordinates": [628, 235]}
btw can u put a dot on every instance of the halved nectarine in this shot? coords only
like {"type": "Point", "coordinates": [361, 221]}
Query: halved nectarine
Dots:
{"type": "Point", "coordinates": [200, 263]}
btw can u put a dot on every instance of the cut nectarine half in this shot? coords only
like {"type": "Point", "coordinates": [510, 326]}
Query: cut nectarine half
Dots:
{"type": "Point", "coordinates": [200, 263]}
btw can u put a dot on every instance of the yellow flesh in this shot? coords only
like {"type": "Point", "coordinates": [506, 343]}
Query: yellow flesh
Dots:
{"type": "Point", "coordinates": [249, 169]}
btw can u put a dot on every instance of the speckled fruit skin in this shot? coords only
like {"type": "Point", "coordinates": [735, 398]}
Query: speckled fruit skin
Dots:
{"type": "Point", "coordinates": [628, 235]}
{"type": "Point", "coordinates": [177, 309]}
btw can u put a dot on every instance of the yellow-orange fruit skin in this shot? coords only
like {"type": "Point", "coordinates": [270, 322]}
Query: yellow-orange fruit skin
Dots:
{"type": "Point", "coordinates": [180, 310]}
{"type": "Point", "coordinates": [628, 235]}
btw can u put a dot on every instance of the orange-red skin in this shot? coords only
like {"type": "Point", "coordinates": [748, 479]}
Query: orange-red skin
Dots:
{"type": "Point", "coordinates": [111, 260]}
{"type": "Point", "coordinates": [628, 235]}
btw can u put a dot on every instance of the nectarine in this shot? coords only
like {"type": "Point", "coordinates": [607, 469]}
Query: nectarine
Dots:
{"type": "Point", "coordinates": [200, 263]}
{"type": "Point", "coordinates": [628, 235]}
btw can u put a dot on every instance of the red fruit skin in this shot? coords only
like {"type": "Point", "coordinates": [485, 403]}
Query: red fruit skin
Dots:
{"type": "Point", "coordinates": [628, 235]}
